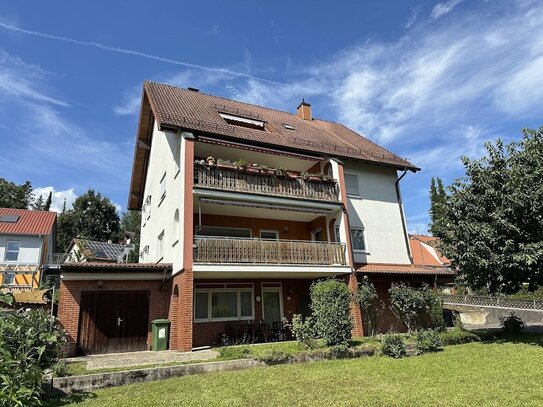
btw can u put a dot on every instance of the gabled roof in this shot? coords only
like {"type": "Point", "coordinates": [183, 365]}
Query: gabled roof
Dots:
{"type": "Point", "coordinates": [95, 250]}
{"type": "Point", "coordinates": [181, 109]}
{"type": "Point", "coordinates": [27, 222]}
{"type": "Point", "coordinates": [425, 252]}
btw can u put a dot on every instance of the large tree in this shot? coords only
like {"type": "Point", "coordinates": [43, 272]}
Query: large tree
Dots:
{"type": "Point", "coordinates": [92, 216]}
{"type": "Point", "coordinates": [15, 196]}
{"type": "Point", "coordinates": [494, 219]}
{"type": "Point", "coordinates": [131, 223]}
{"type": "Point", "coordinates": [438, 206]}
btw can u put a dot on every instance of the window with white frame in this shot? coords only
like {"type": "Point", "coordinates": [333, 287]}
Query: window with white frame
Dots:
{"type": "Point", "coordinates": [269, 234]}
{"type": "Point", "coordinates": [357, 239]}
{"type": "Point", "coordinates": [162, 188]}
{"type": "Point", "coordinates": [12, 250]}
{"type": "Point", "coordinates": [223, 304]}
{"type": "Point", "coordinates": [351, 185]}
{"type": "Point", "coordinates": [338, 236]}
{"type": "Point", "coordinates": [160, 246]}
{"type": "Point", "coordinates": [9, 278]}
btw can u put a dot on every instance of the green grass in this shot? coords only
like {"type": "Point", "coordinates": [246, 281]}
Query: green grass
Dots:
{"type": "Point", "coordinates": [504, 373]}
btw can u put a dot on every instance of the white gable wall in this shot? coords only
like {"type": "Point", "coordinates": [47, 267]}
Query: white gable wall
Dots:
{"type": "Point", "coordinates": [377, 210]}
{"type": "Point", "coordinates": [29, 252]}
{"type": "Point", "coordinates": [160, 218]}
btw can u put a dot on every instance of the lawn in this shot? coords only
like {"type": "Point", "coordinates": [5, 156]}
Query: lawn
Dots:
{"type": "Point", "coordinates": [493, 374]}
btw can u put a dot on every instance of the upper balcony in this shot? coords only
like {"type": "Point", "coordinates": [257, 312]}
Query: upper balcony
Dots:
{"type": "Point", "coordinates": [261, 180]}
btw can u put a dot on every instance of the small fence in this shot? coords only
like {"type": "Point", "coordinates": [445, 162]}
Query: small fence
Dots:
{"type": "Point", "coordinates": [492, 302]}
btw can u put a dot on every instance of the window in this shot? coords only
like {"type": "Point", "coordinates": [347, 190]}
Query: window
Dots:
{"type": "Point", "coordinates": [288, 126]}
{"type": "Point", "coordinates": [223, 304]}
{"type": "Point", "coordinates": [357, 239]}
{"type": "Point", "coordinates": [222, 231]}
{"type": "Point", "coordinates": [351, 185]}
{"type": "Point", "coordinates": [12, 250]}
{"type": "Point", "coordinates": [147, 206]}
{"type": "Point", "coordinates": [243, 121]}
{"type": "Point", "coordinates": [162, 188]}
{"type": "Point", "coordinates": [317, 235]}
{"type": "Point", "coordinates": [160, 246]}
{"type": "Point", "coordinates": [269, 234]}
{"type": "Point", "coordinates": [175, 233]}
{"type": "Point", "coordinates": [338, 236]}
{"type": "Point", "coordinates": [9, 278]}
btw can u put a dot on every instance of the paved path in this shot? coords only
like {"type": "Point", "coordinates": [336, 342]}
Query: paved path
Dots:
{"type": "Point", "coordinates": [114, 360]}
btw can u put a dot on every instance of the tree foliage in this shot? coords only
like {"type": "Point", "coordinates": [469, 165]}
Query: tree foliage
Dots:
{"type": "Point", "coordinates": [416, 308]}
{"type": "Point", "coordinates": [494, 219]}
{"type": "Point", "coordinates": [15, 196]}
{"type": "Point", "coordinates": [131, 224]}
{"type": "Point", "coordinates": [372, 307]}
{"type": "Point", "coordinates": [92, 216]}
{"type": "Point", "coordinates": [438, 207]}
{"type": "Point", "coordinates": [330, 303]}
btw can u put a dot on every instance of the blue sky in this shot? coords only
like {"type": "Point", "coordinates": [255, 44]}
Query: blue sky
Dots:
{"type": "Point", "coordinates": [429, 80]}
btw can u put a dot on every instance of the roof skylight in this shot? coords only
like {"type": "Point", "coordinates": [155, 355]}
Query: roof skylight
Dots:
{"type": "Point", "coordinates": [243, 121]}
{"type": "Point", "coordinates": [288, 126]}
{"type": "Point", "coordinates": [9, 218]}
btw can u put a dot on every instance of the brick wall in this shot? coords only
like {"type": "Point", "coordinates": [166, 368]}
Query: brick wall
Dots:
{"type": "Point", "coordinates": [70, 298]}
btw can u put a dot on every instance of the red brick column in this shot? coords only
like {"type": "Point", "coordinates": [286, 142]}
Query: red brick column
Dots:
{"type": "Point", "coordinates": [68, 315]}
{"type": "Point", "coordinates": [358, 329]}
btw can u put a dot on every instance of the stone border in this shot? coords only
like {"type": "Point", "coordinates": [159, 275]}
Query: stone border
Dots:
{"type": "Point", "coordinates": [76, 384]}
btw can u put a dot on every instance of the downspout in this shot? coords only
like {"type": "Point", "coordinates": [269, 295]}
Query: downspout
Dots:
{"type": "Point", "coordinates": [402, 215]}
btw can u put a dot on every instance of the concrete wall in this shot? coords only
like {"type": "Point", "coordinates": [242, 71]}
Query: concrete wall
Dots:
{"type": "Point", "coordinates": [166, 157]}
{"type": "Point", "coordinates": [377, 210]}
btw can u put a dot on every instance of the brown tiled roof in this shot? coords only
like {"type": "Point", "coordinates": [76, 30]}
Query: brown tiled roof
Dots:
{"type": "Point", "coordinates": [402, 269]}
{"type": "Point", "coordinates": [175, 108]}
{"type": "Point", "coordinates": [116, 267]}
{"type": "Point", "coordinates": [29, 222]}
{"type": "Point", "coordinates": [421, 254]}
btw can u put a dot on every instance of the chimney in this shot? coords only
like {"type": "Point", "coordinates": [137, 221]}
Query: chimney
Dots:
{"type": "Point", "coordinates": [304, 110]}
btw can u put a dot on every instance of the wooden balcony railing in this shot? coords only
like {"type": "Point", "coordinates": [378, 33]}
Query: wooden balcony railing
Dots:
{"type": "Point", "coordinates": [257, 183]}
{"type": "Point", "coordinates": [236, 250]}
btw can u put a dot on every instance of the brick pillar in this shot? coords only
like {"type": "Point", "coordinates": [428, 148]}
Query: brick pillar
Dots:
{"type": "Point", "coordinates": [358, 327]}
{"type": "Point", "coordinates": [68, 313]}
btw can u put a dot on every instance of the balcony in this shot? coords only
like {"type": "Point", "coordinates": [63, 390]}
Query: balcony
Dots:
{"type": "Point", "coordinates": [264, 182]}
{"type": "Point", "coordinates": [226, 250]}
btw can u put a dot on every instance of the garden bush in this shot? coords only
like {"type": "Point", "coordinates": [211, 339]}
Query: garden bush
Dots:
{"type": "Point", "coordinates": [394, 345]}
{"type": "Point", "coordinates": [29, 344]}
{"type": "Point", "coordinates": [234, 352]}
{"type": "Point", "coordinates": [512, 324]}
{"type": "Point", "coordinates": [372, 307]}
{"type": "Point", "coordinates": [330, 303]}
{"type": "Point", "coordinates": [275, 357]}
{"type": "Point", "coordinates": [304, 331]}
{"type": "Point", "coordinates": [427, 341]}
{"type": "Point", "coordinates": [457, 336]}
{"type": "Point", "coordinates": [416, 308]}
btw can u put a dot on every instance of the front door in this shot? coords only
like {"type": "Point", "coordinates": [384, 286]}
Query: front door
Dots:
{"type": "Point", "coordinates": [272, 305]}
{"type": "Point", "coordinates": [113, 321]}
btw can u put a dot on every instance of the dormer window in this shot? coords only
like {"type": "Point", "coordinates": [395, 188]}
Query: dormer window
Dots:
{"type": "Point", "coordinates": [288, 126]}
{"type": "Point", "coordinates": [243, 121]}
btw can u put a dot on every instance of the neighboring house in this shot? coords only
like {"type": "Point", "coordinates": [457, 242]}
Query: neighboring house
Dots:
{"type": "Point", "coordinates": [425, 252]}
{"type": "Point", "coordinates": [235, 228]}
{"type": "Point", "coordinates": [84, 250]}
{"type": "Point", "coordinates": [27, 243]}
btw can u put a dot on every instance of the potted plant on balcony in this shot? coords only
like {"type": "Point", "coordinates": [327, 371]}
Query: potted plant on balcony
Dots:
{"type": "Point", "coordinates": [253, 169]}
{"type": "Point", "coordinates": [241, 165]}
{"type": "Point", "coordinates": [304, 175]}
{"type": "Point", "coordinates": [224, 164]}
{"type": "Point", "coordinates": [327, 178]}
{"type": "Point", "coordinates": [211, 161]}
{"type": "Point", "coordinates": [280, 172]}
{"type": "Point", "coordinates": [264, 170]}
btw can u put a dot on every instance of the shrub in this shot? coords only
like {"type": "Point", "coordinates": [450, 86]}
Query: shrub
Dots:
{"type": "Point", "coordinates": [394, 346]}
{"type": "Point", "coordinates": [234, 352]}
{"type": "Point", "coordinates": [416, 308]}
{"type": "Point", "coordinates": [427, 341]}
{"type": "Point", "coordinates": [512, 324]}
{"type": "Point", "coordinates": [304, 331]}
{"type": "Point", "coordinates": [372, 307]}
{"type": "Point", "coordinates": [276, 357]}
{"type": "Point", "coordinates": [29, 344]}
{"type": "Point", "coordinates": [330, 302]}
{"type": "Point", "coordinates": [457, 336]}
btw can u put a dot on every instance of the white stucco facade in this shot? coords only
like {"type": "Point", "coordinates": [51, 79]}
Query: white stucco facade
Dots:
{"type": "Point", "coordinates": [376, 210]}
{"type": "Point", "coordinates": [30, 249]}
{"type": "Point", "coordinates": [163, 201]}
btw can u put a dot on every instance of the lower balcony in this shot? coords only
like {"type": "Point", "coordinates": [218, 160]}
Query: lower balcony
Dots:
{"type": "Point", "coordinates": [229, 250]}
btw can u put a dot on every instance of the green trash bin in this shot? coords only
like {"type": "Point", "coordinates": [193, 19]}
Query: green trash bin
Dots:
{"type": "Point", "coordinates": [161, 334]}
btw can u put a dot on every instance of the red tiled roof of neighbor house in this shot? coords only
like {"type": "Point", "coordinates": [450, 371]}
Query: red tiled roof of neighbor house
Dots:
{"type": "Point", "coordinates": [116, 267]}
{"type": "Point", "coordinates": [174, 108]}
{"type": "Point", "coordinates": [402, 269]}
{"type": "Point", "coordinates": [425, 252]}
{"type": "Point", "coordinates": [28, 222]}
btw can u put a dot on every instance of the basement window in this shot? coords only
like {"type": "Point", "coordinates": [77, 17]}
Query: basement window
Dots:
{"type": "Point", "coordinates": [243, 121]}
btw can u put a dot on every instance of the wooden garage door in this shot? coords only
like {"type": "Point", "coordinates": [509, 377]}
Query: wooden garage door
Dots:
{"type": "Point", "coordinates": [113, 321]}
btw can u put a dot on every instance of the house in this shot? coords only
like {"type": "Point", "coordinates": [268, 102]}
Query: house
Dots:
{"type": "Point", "coordinates": [243, 208]}
{"type": "Point", "coordinates": [81, 250]}
{"type": "Point", "coordinates": [27, 243]}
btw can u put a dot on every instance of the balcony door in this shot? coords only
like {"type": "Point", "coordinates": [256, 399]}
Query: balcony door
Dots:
{"type": "Point", "coordinates": [272, 305]}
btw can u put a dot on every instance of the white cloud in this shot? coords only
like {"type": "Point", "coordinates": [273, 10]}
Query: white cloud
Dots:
{"type": "Point", "coordinates": [58, 197]}
{"type": "Point", "coordinates": [412, 17]}
{"type": "Point", "coordinates": [441, 9]}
